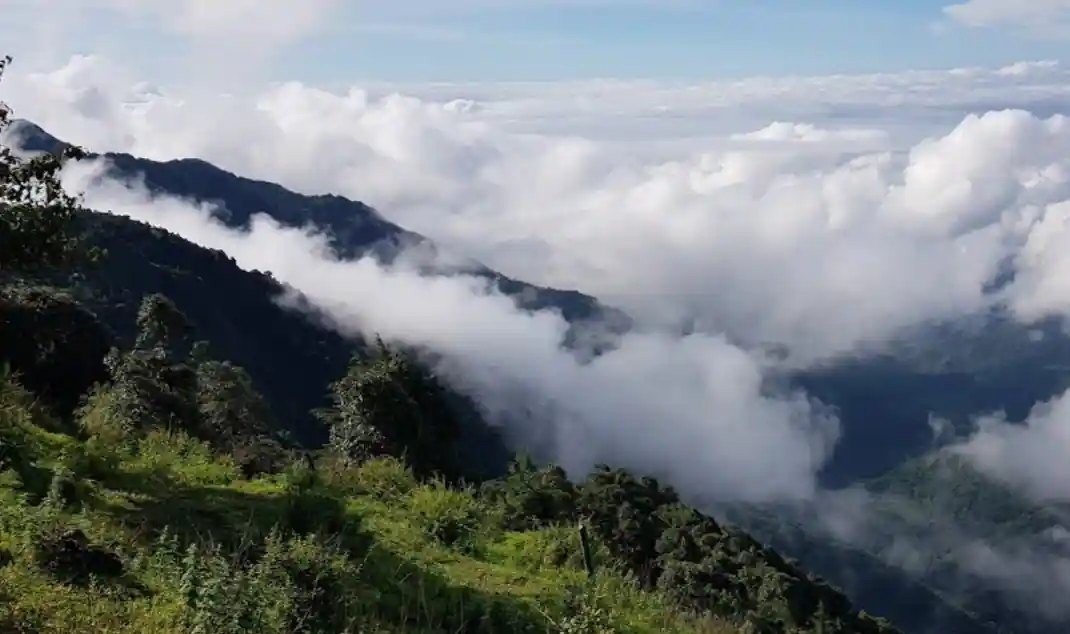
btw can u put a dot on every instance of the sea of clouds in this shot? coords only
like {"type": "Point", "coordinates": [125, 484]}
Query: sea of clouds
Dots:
{"type": "Point", "coordinates": [823, 213]}
{"type": "Point", "coordinates": [737, 218]}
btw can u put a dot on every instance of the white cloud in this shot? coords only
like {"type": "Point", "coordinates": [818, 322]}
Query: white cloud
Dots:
{"type": "Point", "coordinates": [1031, 456]}
{"type": "Point", "coordinates": [668, 207]}
{"type": "Point", "coordinates": [698, 400]}
{"type": "Point", "coordinates": [876, 203]}
{"type": "Point", "coordinates": [787, 131]}
{"type": "Point", "coordinates": [1042, 16]}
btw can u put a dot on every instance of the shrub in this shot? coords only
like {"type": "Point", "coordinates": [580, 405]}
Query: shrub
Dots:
{"type": "Point", "coordinates": [101, 417]}
{"type": "Point", "coordinates": [554, 547]}
{"type": "Point", "coordinates": [385, 478]}
{"type": "Point", "coordinates": [449, 516]}
{"type": "Point", "coordinates": [176, 454]}
{"type": "Point", "coordinates": [224, 597]}
{"type": "Point", "coordinates": [532, 498]}
{"type": "Point", "coordinates": [585, 614]}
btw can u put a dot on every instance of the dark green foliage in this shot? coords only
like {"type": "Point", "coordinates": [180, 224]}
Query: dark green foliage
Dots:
{"type": "Point", "coordinates": [164, 380]}
{"type": "Point", "coordinates": [318, 591]}
{"type": "Point", "coordinates": [235, 418]}
{"type": "Point", "coordinates": [17, 453]}
{"type": "Point", "coordinates": [584, 614]}
{"type": "Point", "coordinates": [47, 338]}
{"type": "Point", "coordinates": [587, 548]}
{"type": "Point", "coordinates": [162, 328]}
{"type": "Point", "coordinates": [672, 547]}
{"type": "Point", "coordinates": [532, 497]}
{"type": "Point", "coordinates": [154, 384]}
{"type": "Point", "coordinates": [688, 555]}
{"type": "Point", "coordinates": [63, 490]}
{"type": "Point", "coordinates": [688, 535]}
{"type": "Point", "coordinates": [624, 512]}
{"type": "Point", "coordinates": [71, 558]}
{"type": "Point", "coordinates": [390, 404]}
{"type": "Point", "coordinates": [55, 345]}
{"type": "Point", "coordinates": [288, 357]}
{"type": "Point", "coordinates": [450, 517]}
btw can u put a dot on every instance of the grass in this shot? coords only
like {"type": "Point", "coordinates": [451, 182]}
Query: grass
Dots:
{"type": "Point", "coordinates": [195, 547]}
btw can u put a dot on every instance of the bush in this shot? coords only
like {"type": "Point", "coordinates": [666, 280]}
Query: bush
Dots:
{"type": "Point", "coordinates": [531, 498]}
{"type": "Point", "coordinates": [258, 456]}
{"type": "Point", "coordinates": [585, 614]}
{"type": "Point", "coordinates": [279, 584]}
{"type": "Point", "coordinates": [176, 454]}
{"type": "Point", "coordinates": [318, 569]}
{"type": "Point", "coordinates": [55, 344]}
{"type": "Point", "coordinates": [385, 478]}
{"type": "Point", "coordinates": [224, 597]}
{"type": "Point", "coordinates": [102, 418]}
{"type": "Point", "coordinates": [554, 547]}
{"type": "Point", "coordinates": [300, 475]}
{"type": "Point", "coordinates": [449, 516]}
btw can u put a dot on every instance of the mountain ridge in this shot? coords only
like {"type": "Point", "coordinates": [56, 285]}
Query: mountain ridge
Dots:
{"type": "Point", "coordinates": [354, 228]}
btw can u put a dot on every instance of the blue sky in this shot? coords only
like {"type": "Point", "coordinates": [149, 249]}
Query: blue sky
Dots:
{"type": "Point", "coordinates": [480, 40]}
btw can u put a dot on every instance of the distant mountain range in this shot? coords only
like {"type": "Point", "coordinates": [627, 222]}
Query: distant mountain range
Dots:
{"type": "Point", "coordinates": [885, 402]}
{"type": "Point", "coordinates": [355, 228]}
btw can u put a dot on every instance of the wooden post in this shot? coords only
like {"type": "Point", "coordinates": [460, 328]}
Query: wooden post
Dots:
{"type": "Point", "coordinates": [585, 544]}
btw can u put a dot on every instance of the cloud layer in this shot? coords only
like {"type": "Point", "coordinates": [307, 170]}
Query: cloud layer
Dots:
{"type": "Point", "coordinates": [652, 398]}
{"type": "Point", "coordinates": [823, 213]}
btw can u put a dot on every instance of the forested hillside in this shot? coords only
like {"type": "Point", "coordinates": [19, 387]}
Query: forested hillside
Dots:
{"type": "Point", "coordinates": [149, 483]}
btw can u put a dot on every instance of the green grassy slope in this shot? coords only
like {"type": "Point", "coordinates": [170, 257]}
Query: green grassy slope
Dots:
{"type": "Point", "coordinates": [104, 530]}
{"type": "Point", "coordinates": [178, 520]}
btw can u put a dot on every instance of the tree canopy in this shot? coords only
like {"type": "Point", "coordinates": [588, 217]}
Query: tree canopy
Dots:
{"type": "Point", "coordinates": [35, 211]}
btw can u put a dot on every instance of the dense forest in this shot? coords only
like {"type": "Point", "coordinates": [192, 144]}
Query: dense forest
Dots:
{"type": "Point", "coordinates": [149, 483]}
